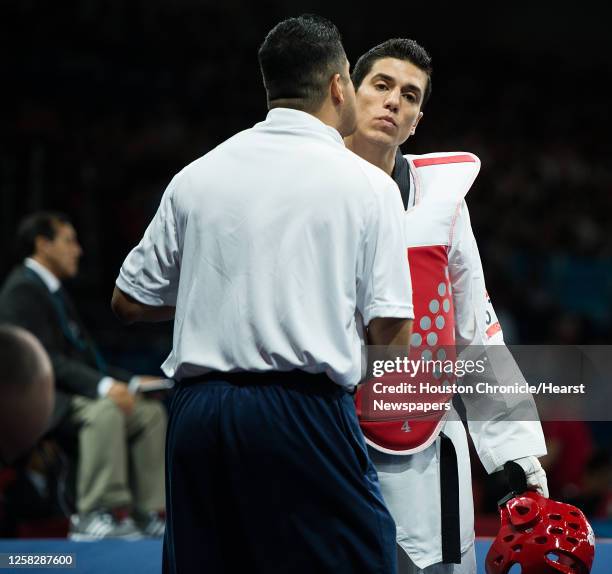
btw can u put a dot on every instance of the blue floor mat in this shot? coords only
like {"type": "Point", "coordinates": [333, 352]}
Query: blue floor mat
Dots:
{"type": "Point", "coordinates": [144, 556]}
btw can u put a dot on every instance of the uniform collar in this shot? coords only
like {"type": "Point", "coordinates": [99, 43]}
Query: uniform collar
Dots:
{"type": "Point", "coordinates": [50, 280]}
{"type": "Point", "coordinates": [402, 177]}
{"type": "Point", "coordinates": [290, 119]}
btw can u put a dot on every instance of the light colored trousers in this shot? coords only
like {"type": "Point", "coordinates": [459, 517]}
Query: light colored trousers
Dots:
{"type": "Point", "coordinates": [467, 566]}
{"type": "Point", "coordinates": [121, 458]}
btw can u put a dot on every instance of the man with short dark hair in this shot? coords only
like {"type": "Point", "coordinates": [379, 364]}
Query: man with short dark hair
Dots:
{"type": "Point", "coordinates": [273, 253]}
{"type": "Point", "coordinates": [423, 465]}
{"type": "Point", "coordinates": [26, 392]}
{"type": "Point", "coordinates": [299, 81]}
{"type": "Point", "coordinates": [114, 425]}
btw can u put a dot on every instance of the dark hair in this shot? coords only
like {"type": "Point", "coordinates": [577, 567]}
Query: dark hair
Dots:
{"type": "Point", "coordinates": [401, 49]}
{"type": "Point", "coordinates": [297, 60]}
{"type": "Point", "coordinates": [40, 223]}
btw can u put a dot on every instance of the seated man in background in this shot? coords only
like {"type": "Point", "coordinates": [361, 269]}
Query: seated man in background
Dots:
{"type": "Point", "coordinates": [26, 391]}
{"type": "Point", "coordinates": [116, 428]}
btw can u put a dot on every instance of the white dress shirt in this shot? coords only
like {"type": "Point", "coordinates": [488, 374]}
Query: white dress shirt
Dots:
{"type": "Point", "coordinates": [271, 246]}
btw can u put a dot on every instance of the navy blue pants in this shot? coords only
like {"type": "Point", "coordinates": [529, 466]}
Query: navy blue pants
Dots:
{"type": "Point", "coordinates": [270, 474]}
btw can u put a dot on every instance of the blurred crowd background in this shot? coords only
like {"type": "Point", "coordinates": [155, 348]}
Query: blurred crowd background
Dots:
{"type": "Point", "coordinates": [104, 100]}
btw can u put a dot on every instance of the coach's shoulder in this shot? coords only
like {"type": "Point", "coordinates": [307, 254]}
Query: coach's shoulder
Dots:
{"type": "Point", "coordinates": [375, 177]}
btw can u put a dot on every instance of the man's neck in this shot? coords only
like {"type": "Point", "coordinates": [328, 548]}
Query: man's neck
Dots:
{"type": "Point", "coordinates": [382, 157]}
{"type": "Point", "coordinates": [325, 114]}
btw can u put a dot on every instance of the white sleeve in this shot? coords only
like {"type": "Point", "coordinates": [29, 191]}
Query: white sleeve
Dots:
{"type": "Point", "coordinates": [150, 272]}
{"type": "Point", "coordinates": [476, 322]}
{"type": "Point", "coordinates": [499, 436]}
{"type": "Point", "coordinates": [384, 287]}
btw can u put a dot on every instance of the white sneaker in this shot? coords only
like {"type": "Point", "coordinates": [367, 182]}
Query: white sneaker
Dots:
{"type": "Point", "coordinates": [102, 524]}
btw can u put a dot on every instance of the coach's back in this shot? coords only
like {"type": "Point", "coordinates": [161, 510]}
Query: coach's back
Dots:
{"type": "Point", "coordinates": [280, 234]}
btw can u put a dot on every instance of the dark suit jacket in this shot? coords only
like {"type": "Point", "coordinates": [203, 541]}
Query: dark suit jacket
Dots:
{"type": "Point", "coordinates": [27, 302]}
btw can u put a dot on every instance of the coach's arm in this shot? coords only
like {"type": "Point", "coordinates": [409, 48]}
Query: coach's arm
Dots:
{"type": "Point", "coordinates": [128, 310]}
{"type": "Point", "coordinates": [390, 332]}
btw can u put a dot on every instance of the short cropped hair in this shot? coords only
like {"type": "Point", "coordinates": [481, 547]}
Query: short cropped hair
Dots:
{"type": "Point", "coordinates": [297, 59]}
{"type": "Point", "coordinates": [40, 223]}
{"type": "Point", "coordinates": [401, 49]}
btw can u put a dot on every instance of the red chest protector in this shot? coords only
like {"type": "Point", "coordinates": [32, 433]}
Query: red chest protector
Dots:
{"type": "Point", "coordinates": [441, 183]}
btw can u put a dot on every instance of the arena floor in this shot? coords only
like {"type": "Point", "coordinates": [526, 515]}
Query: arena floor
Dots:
{"type": "Point", "coordinates": [144, 556]}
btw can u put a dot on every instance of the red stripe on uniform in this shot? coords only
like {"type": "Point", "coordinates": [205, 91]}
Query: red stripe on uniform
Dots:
{"type": "Point", "coordinates": [441, 160]}
{"type": "Point", "coordinates": [495, 328]}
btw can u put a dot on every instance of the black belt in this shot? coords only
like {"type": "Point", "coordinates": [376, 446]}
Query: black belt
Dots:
{"type": "Point", "coordinates": [449, 502]}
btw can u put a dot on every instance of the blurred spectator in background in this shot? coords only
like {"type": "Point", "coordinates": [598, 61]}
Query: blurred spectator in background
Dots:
{"type": "Point", "coordinates": [26, 392]}
{"type": "Point", "coordinates": [570, 447]}
{"type": "Point", "coordinates": [93, 400]}
{"type": "Point", "coordinates": [594, 498]}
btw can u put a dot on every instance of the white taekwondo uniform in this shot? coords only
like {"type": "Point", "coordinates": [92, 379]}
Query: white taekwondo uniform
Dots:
{"type": "Point", "coordinates": [440, 241]}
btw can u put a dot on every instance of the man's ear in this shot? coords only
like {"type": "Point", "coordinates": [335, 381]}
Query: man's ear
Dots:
{"type": "Point", "coordinates": [336, 89]}
{"type": "Point", "coordinates": [41, 243]}
{"type": "Point", "coordinates": [416, 123]}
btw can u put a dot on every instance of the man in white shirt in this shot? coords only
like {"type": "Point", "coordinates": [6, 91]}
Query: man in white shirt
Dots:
{"type": "Point", "coordinates": [120, 466]}
{"type": "Point", "coordinates": [429, 498]}
{"type": "Point", "coordinates": [271, 252]}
